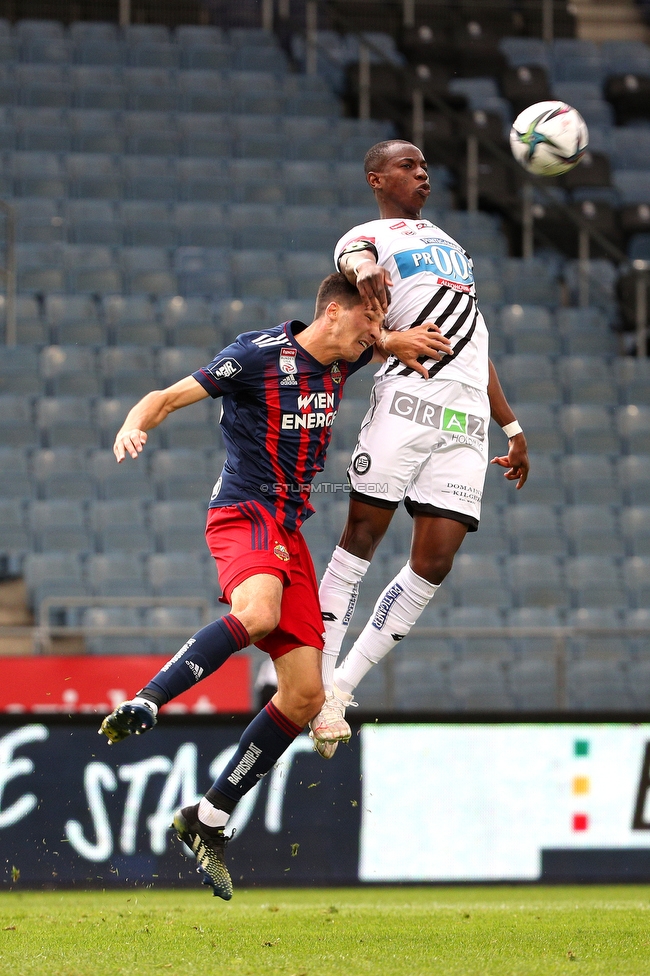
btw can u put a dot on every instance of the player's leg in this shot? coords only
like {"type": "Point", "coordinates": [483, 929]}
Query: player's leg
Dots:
{"type": "Point", "coordinates": [255, 612]}
{"type": "Point", "coordinates": [269, 735]}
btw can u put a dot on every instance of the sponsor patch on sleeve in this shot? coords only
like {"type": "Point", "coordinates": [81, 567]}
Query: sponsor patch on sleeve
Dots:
{"type": "Point", "coordinates": [224, 369]}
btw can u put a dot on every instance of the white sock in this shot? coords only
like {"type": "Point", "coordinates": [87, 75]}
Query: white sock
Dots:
{"type": "Point", "coordinates": [338, 594]}
{"type": "Point", "coordinates": [396, 611]}
{"type": "Point", "coordinates": [210, 815]}
{"type": "Point", "coordinates": [149, 704]}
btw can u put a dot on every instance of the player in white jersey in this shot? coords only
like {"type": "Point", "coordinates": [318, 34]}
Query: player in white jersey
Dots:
{"type": "Point", "coordinates": [425, 434]}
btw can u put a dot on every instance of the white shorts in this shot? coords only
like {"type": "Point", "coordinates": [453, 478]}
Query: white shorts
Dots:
{"type": "Point", "coordinates": [432, 453]}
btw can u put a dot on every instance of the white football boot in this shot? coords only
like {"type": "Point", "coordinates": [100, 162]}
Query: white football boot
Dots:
{"type": "Point", "coordinates": [329, 727]}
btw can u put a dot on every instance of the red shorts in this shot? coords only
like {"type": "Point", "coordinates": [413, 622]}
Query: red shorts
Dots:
{"type": "Point", "coordinates": [245, 541]}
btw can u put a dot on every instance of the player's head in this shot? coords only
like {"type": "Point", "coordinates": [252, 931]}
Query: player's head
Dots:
{"type": "Point", "coordinates": [342, 315]}
{"type": "Point", "coordinates": [396, 171]}
{"type": "Point", "coordinates": [336, 288]}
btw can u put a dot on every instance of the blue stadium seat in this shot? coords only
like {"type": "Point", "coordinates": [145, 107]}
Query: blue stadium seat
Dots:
{"type": "Point", "coordinates": [91, 222]}
{"type": "Point", "coordinates": [254, 223]}
{"type": "Point", "coordinates": [595, 581]}
{"type": "Point", "coordinates": [147, 270]}
{"type": "Point", "coordinates": [203, 180]}
{"type": "Point", "coordinates": [589, 479]}
{"type": "Point", "coordinates": [479, 684]}
{"type": "Point", "coordinates": [534, 528]}
{"type": "Point", "coordinates": [147, 223]}
{"type": "Point", "coordinates": [530, 377]}
{"type": "Point", "coordinates": [186, 618]}
{"type": "Point", "coordinates": [256, 91]}
{"type": "Point", "coordinates": [128, 370]}
{"type": "Point", "coordinates": [53, 574]}
{"type": "Point", "coordinates": [189, 322]}
{"type": "Point", "coordinates": [69, 370]}
{"type": "Point", "coordinates": [43, 85]}
{"type": "Point", "coordinates": [309, 227]}
{"type": "Point", "coordinates": [153, 54]}
{"type": "Point", "coordinates": [632, 185]}
{"type": "Point", "coordinates": [256, 180]}
{"type": "Point", "coordinates": [531, 281]}
{"type": "Point", "coordinates": [58, 526]}
{"type": "Point", "coordinates": [98, 87]}
{"type": "Point", "coordinates": [310, 183]}
{"type": "Point", "coordinates": [95, 131]}
{"type": "Point", "coordinates": [592, 530]}
{"type": "Point", "coordinates": [113, 643]}
{"type": "Point", "coordinates": [634, 428]}
{"type": "Point", "coordinates": [119, 526]}
{"type": "Point", "coordinates": [542, 431]}
{"type": "Point", "coordinates": [305, 271]}
{"type": "Point", "coordinates": [61, 473]}
{"type": "Point", "coordinates": [189, 428]}
{"type": "Point", "coordinates": [110, 413]}
{"type": "Point", "coordinates": [636, 575]}
{"type": "Point", "coordinates": [37, 220]}
{"type": "Point", "coordinates": [203, 91]}
{"type": "Point", "coordinates": [113, 482]}
{"type": "Point", "coordinates": [36, 174]}
{"type": "Point", "coordinates": [73, 319]}
{"type": "Point", "coordinates": [151, 90]}
{"type": "Point", "coordinates": [41, 130]}
{"type": "Point", "coordinates": [634, 479]}
{"type": "Point", "coordinates": [258, 137]}
{"type": "Point", "coordinates": [203, 271]}
{"type": "Point", "coordinates": [15, 480]}
{"type": "Point", "coordinates": [584, 329]}
{"type": "Point", "coordinates": [19, 370]}
{"type": "Point", "coordinates": [491, 539]}
{"type": "Point", "coordinates": [184, 475]}
{"type": "Point", "coordinates": [478, 581]}
{"type": "Point", "coordinates": [635, 525]}
{"type": "Point", "coordinates": [17, 427]}
{"type": "Point", "coordinates": [131, 319]}
{"type": "Point", "coordinates": [13, 535]}
{"type": "Point", "coordinates": [175, 364]}
{"type": "Point", "coordinates": [598, 685]}
{"type": "Point", "coordinates": [630, 149]}
{"type": "Point", "coordinates": [588, 428]}
{"type": "Point", "coordinates": [202, 225]}
{"type": "Point", "coordinates": [258, 273]}
{"type": "Point", "coordinates": [91, 269]}
{"type": "Point", "coordinates": [93, 30]}
{"type": "Point", "coordinates": [528, 328]}
{"type": "Point", "coordinates": [235, 316]}
{"type": "Point", "coordinates": [177, 574]}
{"type": "Point", "coordinates": [537, 581]}
{"type": "Point", "coordinates": [179, 526]}
{"type": "Point", "coordinates": [66, 422]}
{"type": "Point", "coordinates": [116, 574]}
{"type": "Point", "coordinates": [95, 175]}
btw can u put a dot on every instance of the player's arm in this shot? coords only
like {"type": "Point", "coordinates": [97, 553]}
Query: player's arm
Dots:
{"type": "Point", "coordinates": [422, 340]}
{"type": "Point", "coordinates": [359, 265]}
{"type": "Point", "coordinates": [516, 460]}
{"type": "Point", "coordinates": [151, 411]}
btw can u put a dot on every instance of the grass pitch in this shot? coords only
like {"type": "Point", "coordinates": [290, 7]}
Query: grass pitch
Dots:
{"type": "Point", "coordinates": [500, 931]}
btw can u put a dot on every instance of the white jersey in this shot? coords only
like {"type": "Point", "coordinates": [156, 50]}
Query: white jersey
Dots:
{"type": "Point", "coordinates": [433, 279]}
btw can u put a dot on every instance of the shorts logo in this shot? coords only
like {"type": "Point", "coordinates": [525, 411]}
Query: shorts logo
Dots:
{"type": "Point", "coordinates": [454, 421]}
{"type": "Point", "coordinates": [216, 490]}
{"type": "Point", "coordinates": [281, 552]}
{"type": "Point", "coordinates": [361, 463]}
{"type": "Point", "coordinates": [288, 361]}
{"type": "Point", "coordinates": [427, 414]}
{"type": "Point", "coordinates": [336, 374]}
{"type": "Point", "coordinates": [225, 369]}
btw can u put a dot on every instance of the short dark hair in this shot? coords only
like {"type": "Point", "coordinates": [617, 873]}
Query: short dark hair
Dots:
{"type": "Point", "coordinates": [376, 157]}
{"type": "Point", "coordinates": [336, 288]}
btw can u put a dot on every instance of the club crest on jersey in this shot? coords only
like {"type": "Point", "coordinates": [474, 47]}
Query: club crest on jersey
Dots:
{"type": "Point", "coordinates": [281, 552]}
{"type": "Point", "coordinates": [288, 361]}
{"type": "Point", "coordinates": [335, 373]}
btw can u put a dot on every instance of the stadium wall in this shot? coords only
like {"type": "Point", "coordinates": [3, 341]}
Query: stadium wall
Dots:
{"type": "Point", "coordinates": [455, 801]}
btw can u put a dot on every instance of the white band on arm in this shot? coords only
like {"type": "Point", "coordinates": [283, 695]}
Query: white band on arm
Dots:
{"type": "Point", "coordinates": [511, 429]}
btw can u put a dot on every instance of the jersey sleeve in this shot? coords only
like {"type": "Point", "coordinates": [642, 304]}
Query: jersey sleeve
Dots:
{"type": "Point", "coordinates": [235, 368]}
{"type": "Point", "coordinates": [355, 240]}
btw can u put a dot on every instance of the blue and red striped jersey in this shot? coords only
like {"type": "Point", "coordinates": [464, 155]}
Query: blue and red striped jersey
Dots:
{"type": "Point", "coordinates": [279, 404]}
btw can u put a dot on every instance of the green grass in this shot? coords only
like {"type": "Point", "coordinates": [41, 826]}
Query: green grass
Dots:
{"type": "Point", "coordinates": [501, 931]}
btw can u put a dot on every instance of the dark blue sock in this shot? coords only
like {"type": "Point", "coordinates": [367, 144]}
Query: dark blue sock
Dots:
{"type": "Point", "coordinates": [199, 657]}
{"type": "Point", "coordinates": [266, 738]}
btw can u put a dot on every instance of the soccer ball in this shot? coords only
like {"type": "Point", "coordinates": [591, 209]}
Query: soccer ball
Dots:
{"type": "Point", "coordinates": [549, 138]}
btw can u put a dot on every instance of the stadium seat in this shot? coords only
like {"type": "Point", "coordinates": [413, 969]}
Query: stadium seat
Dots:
{"type": "Point", "coordinates": [147, 270]}
{"type": "Point", "coordinates": [58, 526]}
{"type": "Point", "coordinates": [633, 376]}
{"type": "Point", "coordinates": [478, 581]}
{"type": "Point", "coordinates": [95, 175]}
{"type": "Point", "coordinates": [147, 223]}
{"type": "Point", "coordinates": [530, 281]}
{"type": "Point", "coordinates": [149, 178]}
{"type": "Point", "coordinates": [203, 271]}
{"type": "Point", "coordinates": [69, 370]}
{"type": "Point", "coordinates": [634, 479]}
{"type": "Point", "coordinates": [91, 269]}
{"type": "Point", "coordinates": [534, 528]}
{"type": "Point", "coordinates": [73, 319]}
{"type": "Point", "coordinates": [66, 422]}
{"type": "Point", "coordinates": [588, 428]}
{"type": "Point", "coordinates": [587, 379]}
{"type": "Point", "coordinates": [179, 526]}
{"type": "Point", "coordinates": [252, 223]}
{"type": "Point", "coordinates": [176, 574]}
{"type": "Point", "coordinates": [61, 473]}
{"type": "Point", "coordinates": [544, 488]}
{"type": "Point", "coordinates": [529, 329]}
{"type": "Point", "coordinates": [113, 481]}
{"type": "Point", "coordinates": [184, 475]}
{"type": "Point", "coordinates": [116, 574]}
{"type": "Point", "coordinates": [131, 320]}
{"type": "Point", "coordinates": [479, 685]}
{"type": "Point", "coordinates": [537, 581]}
{"type": "Point", "coordinates": [188, 619]}
{"type": "Point", "coordinates": [15, 480]}
{"type": "Point", "coordinates": [421, 684]}
{"type": "Point", "coordinates": [636, 574]}
{"type": "Point", "coordinates": [540, 423]}
{"type": "Point", "coordinates": [305, 271]}
{"type": "Point", "coordinates": [309, 183]}
{"type": "Point", "coordinates": [490, 538]}
{"type": "Point", "coordinates": [258, 273]}
{"type": "Point", "coordinates": [585, 329]}
{"type": "Point", "coordinates": [114, 643]}
{"type": "Point", "coordinates": [119, 526]}
{"type": "Point", "coordinates": [533, 684]}
{"type": "Point", "coordinates": [589, 479]}
{"type": "Point", "coordinates": [235, 316]}
{"type": "Point", "coordinates": [189, 322]}
{"type": "Point", "coordinates": [635, 526]}
{"type": "Point", "coordinates": [95, 131]}
{"type": "Point", "coordinates": [91, 222]}
{"type": "Point", "coordinates": [53, 574]}
{"type": "Point", "coordinates": [128, 370]}
{"type": "Point", "coordinates": [348, 421]}
{"type": "Point", "coordinates": [530, 377]}
{"type": "Point", "coordinates": [597, 685]}
{"type": "Point", "coordinates": [634, 428]}
{"type": "Point", "coordinates": [175, 364]}
{"type": "Point", "coordinates": [30, 328]}
{"type": "Point", "coordinates": [595, 581]}
{"type": "Point", "coordinates": [592, 530]}
{"type": "Point", "coordinates": [17, 426]}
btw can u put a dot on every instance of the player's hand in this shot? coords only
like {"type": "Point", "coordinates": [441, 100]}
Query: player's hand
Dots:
{"type": "Point", "coordinates": [516, 460]}
{"type": "Point", "coordinates": [129, 442]}
{"type": "Point", "coordinates": [422, 340]}
{"type": "Point", "coordinates": [373, 283]}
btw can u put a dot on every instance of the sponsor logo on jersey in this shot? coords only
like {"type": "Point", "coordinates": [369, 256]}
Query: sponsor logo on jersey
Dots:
{"type": "Point", "coordinates": [362, 463]}
{"type": "Point", "coordinates": [216, 490]}
{"type": "Point", "coordinates": [450, 265]}
{"type": "Point", "coordinates": [281, 552]}
{"type": "Point", "coordinates": [225, 369]}
{"type": "Point", "coordinates": [384, 606]}
{"type": "Point", "coordinates": [289, 381]}
{"type": "Point", "coordinates": [456, 285]}
{"type": "Point", "coordinates": [408, 233]}
{"type": "Point", "coordinates": [421, 224]}
{"type": "Point", "coordinates": [316, 410]}
{"type": "Point", "coordinates": [398, 226]}
{"type": "Point", "coordinates": [336, 374]}
{"type": "Point", "coordinates": [288, 361]}
{"type": "Point", "coordinates": [466, 426]}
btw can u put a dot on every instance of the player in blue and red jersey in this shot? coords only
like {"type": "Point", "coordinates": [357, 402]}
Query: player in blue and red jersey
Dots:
{"type": "Point", "coordinates": [281, 389]}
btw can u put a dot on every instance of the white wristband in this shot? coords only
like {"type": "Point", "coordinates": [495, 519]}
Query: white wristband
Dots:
{"type": "Point", "coordinates": [511, 429]}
